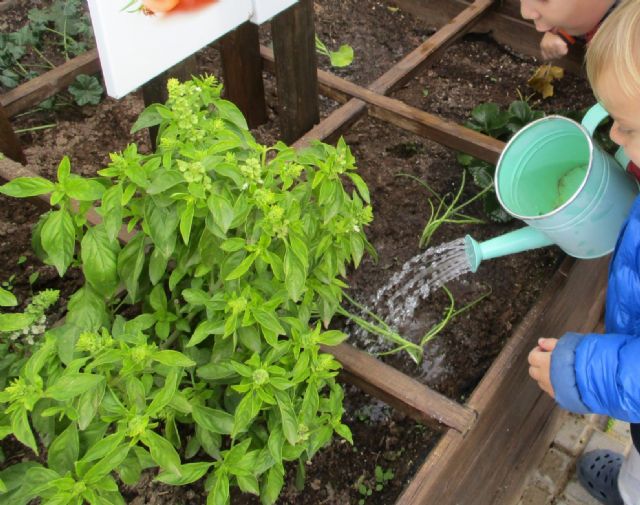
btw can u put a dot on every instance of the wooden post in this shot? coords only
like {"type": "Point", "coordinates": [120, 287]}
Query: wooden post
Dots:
{"type": "Point", "coordinates": [155, 91]}
{"type": "Point", "coordinates": [9, 143]}
{"type": "Point", "coordinates": [294, 48]}
{"type": "Point", "coordinates": [242, 67]}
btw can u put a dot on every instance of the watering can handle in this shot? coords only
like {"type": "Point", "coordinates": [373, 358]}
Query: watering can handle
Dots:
{"type": "Point", "coordinates": [594, 116]}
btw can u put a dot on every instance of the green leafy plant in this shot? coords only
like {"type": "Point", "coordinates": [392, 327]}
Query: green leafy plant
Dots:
{"type": "Point", "coordinates": [21, 331]}
{"type": "Point", "coordinates": [492, 120]}
{"type": "Point", "coordinates": [86, 89]}
{"type": "Point", "coordinates": [194, 348]}
{"type": "Point", "coordinates": [366, 487]}
{"type": "Point", "coordinates": [64, 27]}
{"type": "Point", "coordinates": [343, 57]}
{"type": "Point", "coordinates": [382, 477]}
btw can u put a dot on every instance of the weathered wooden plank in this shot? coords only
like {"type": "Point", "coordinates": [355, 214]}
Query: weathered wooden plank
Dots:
{"type": "Point", "coordinates": [399, 390]}
{"type": "Point", "coordinates": [242, 68]}
{"type": "Point", "coordinates": [293, 33]}
{"type": "Point", "coordinates": [516, 421]}
{"type": "Point", "coordinates": [431, 50]}
{"type": "Point", "coordinates": [504, 24]}
{"type": "Point", "coordinates": [410, 118]}
{"type": "Point", "coordinates": [9, 142]}
{"type": "Point", "coordinates": [395, 111]}
{"type": "Point", "coordinates": [40, 88]}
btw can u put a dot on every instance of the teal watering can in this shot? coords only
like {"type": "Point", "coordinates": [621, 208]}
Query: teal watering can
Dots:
{"type": "Point", "coordinates": [571, 193]}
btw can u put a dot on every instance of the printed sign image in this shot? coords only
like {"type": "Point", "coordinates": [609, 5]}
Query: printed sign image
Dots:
{"type": "Point", "coordinates": [151, 7]}
{"type": "Point", "coordinates": [137, 40]}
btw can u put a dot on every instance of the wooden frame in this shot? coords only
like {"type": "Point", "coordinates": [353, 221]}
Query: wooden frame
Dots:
{"type": "Point", "coordinates": [501, 432]}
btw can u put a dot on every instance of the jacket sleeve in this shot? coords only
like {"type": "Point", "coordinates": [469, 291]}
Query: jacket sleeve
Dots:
{"type": "Point", "coordinates": [598, 374]}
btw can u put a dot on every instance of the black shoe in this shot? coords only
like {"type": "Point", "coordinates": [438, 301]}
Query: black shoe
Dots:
{"type": "Point", "coordinates": [598, 473]}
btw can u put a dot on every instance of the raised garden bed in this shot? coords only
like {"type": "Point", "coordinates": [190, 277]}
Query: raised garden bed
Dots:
{"type": "Point", "coordinates": [503, 419]}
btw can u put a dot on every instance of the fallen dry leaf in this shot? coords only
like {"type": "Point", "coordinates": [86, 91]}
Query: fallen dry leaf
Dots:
{"type": "Point", "coordinates": [541, 81]}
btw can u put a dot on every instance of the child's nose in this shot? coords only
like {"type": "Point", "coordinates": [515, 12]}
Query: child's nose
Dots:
{"type": "Point", "coordinates": [527, 11]}
{"type": "Point", "coordinates": [616, 135]}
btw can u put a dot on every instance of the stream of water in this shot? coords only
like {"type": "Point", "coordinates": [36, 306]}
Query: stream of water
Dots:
{"type": "Point", "coordinates": [425, 273]}
{"type": "Point", "coordinates": [419, 277]}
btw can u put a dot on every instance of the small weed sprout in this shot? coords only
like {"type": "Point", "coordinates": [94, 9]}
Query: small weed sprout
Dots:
{"type": "Point", "coordinates": [343, 57]}
{"type": "Point", "coordinates": [447, 208]}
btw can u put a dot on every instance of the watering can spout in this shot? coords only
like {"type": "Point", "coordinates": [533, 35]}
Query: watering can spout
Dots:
{"type": "Point", "coordinates": [516, 241]}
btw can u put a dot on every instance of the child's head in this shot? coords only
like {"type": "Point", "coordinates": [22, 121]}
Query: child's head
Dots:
{"type": "Point", "coordinates": [576, 17]}
{"type": "Point", "coordinates": [613, 67]}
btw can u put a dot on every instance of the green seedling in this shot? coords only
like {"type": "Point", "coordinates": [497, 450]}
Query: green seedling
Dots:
{"type": "Point", "coordinates": [343, 57]}
{"type": "Point", "coordinates": [447, 209]}
{"type": "Point", "coordinates": [364, 491]}
{"type": "Point", "coordinates": [64, 27]}
{"type": "Point", "coordinates": [382, 477]}
{"type": "Point", "coordinates": [377, 326]}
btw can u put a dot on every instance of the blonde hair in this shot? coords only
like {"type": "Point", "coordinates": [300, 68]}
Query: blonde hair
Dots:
{"type": "Point", "coordinates": [616, 48]}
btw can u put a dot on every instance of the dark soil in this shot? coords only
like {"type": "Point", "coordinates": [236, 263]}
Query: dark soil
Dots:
{"type": "Point", "coordinates": [472, 71]}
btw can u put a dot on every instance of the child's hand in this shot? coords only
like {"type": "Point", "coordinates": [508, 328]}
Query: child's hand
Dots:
{"type": "Point", "coordinates": [540, 364]}
{"type": "Point", "coordinates": [553, 46]}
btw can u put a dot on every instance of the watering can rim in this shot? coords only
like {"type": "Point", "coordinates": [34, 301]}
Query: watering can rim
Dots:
{"type": "Point", "coordinates": [514, 138]}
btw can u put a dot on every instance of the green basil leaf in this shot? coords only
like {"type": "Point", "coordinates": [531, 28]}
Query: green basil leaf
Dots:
{"type": "Point", "coordinates": [272, 485]}
{"type": "Point", "coordinates": [186, 221]}
{"type": "Point", "coordinates": [63, 451]}
{"type": "Point", "coordinates": [99, 258]}
{"type": "Point", "coordinates": [106, 465]}
{"type": "Point", "coordinates": [83, 190]}
{"type": "Point", "coordinates": [219, 492]}
{"type": "Point", "coordinates": [172, 358]}
{"type": "Point", "coordinates": [267, 320]}
{"type": "Point", "coordinates": [288, 416]}
{"type": "Point", "coordinates": [151, 116]}
{"type": "Point", "coordinates": [222, 211]}
{"type": "Point", "coordinates": [15, 322]}
{"type": "Point", "coordinates": [332, 337]}
{"type": "Point", "coordinates": [165, 179]}
{"type": "Point", "coordinates": [22, 430]}
{"type": "Point", "coordinates": [72, 385]}
{"type": "Point", "coordinates": [162, 452]}
{"type": "Point", "coordinates": [229, 111]}
{"type": "Point", "coordinates": [164, 396]}
{"type": "Point", "coordinates": [203, 330]}
{"type": "Point", "coordinates": [129, 265]}
{"type": "Point", "coordinates": [23, 187]}
{"type": "Point", "coordinates": [161, 223]}
{"type": "Point", "coordinates": [111, 211]}
{"type": "Point", "coordinates": [58, 236]}
{"type": "Point", "coordinates": [190, 472]}
{"type": "Point", "coordinates": [216, 421]}
{"type": "Point", "coordinates": [295, 277]}
{"type": "Point", "coordinates": [7, 299]}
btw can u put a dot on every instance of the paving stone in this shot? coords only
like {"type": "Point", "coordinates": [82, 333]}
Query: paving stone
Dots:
{"type": "Point", "coordinates": [535, 495]}
{"type": "Point", "coordinates": [620, 431]}
{"type": "Point", "coordinates": [553, 472]}
{"type": "Point", "coordinates": [597, 420]}
{"type": "Point", "coordinates": [600, 440]}
{"type": "Point", "coordinates": [575, 493]}
{"type": "Point", "coordinates": [573, 435]}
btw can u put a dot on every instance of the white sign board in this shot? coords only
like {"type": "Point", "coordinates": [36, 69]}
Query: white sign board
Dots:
{"type": "Point", "coordinates": [136, 45]}
{"type": "Point", "coordinates": [266, 9]}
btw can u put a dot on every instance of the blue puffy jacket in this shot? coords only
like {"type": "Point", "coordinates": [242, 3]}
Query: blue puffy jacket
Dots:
{"type": "Point", "coordinates": [600, 374]}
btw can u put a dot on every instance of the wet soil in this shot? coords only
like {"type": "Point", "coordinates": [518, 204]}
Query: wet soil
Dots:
{"type": "Point", "coordinates": [472, 71]}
